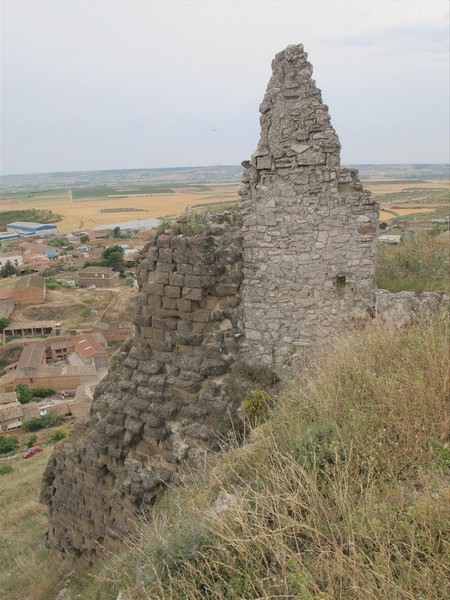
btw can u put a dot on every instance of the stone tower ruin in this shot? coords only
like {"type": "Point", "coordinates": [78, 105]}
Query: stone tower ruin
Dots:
{"type": "Point", "coordinates": [308, 225]}
{"type": "Point", "coordinates": [259, 285]}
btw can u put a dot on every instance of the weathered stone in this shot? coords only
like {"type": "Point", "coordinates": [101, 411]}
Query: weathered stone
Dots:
{"type": "Point", "coordinates": [259, 284]}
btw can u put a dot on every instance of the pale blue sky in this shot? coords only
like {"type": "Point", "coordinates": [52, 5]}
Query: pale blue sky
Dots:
{"type": "Point", "coordinates": [107, 84]}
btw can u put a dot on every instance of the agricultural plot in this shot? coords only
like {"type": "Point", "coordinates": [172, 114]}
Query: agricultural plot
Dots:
{"type": "Point", "coordinates": [88, 212]}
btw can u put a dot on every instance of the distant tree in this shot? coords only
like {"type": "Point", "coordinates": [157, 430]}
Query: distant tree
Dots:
{"type": "Point", "coordinates": [23, 393]}
{"type": "Point", "coordinates": [84, 238]}
{"type": "Point", "coordinates": [113, 257]}
{"type": "Point", "coordinates": [4, 322]}
{"type": "Point", "coordinates": [8, 269]}
{"type": "Point", "coordinates": [116, 232]}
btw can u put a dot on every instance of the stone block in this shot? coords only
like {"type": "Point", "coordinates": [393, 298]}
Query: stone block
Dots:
{"type": "Point", "coordinates": [165, 255]}
{"type": "Point", "coordinates": [197, 281]}
{"type": "Point", "coordinates": [169, 303]}
{"type": "Point", "coordinates": [172, 291]}
{"type": "Point", "coordinates": [154, 289]}
{"type": "Point", "coordinates": [154, 301]}
{"type": "Point", "coordinates": [184, 304]}
{"type": "Point", "coordinates": [165, 267]}
{"type": "Point", "coordinates": [200, 316]}
{"type": "Point", "coordinates": [264, 162]}
{"type": "Point", "coordinates": [177, 279]}
{"type": "Point", "coordinates": [189, 293]}
{"type": "Point", "coordinates": [163, 241]}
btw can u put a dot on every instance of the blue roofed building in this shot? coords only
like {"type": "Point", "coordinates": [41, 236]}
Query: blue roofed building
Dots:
{"type": "Point", "coordinates": [27, 228]}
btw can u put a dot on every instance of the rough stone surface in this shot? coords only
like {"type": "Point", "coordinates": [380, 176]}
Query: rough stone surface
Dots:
{"type": "Point", "coordinates": [403, 308]}
{"type": "Point", "coordinates": [165, 401]}
{"type": "Point", "coordinates": [308, 225]}
{"type": "Point", "coordinates": [258, 285]}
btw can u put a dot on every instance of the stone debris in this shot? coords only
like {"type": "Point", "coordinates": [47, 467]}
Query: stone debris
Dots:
{"type": "Point", "coordinates": [259, 285]}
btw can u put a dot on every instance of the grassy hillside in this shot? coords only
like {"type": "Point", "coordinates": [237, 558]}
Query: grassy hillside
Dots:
{"type": "Point", "coordinates": [419, 263]}
{"type": "Point", "coordinates": [343, 493]}
{"type": "Point", "coordinates": [28, 570]}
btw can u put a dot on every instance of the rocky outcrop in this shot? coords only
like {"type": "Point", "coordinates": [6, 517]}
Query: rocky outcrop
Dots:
{"type": "Point", "coordinates": [308, 225]}
{"type": "Point", "coordinates": [258, 285]}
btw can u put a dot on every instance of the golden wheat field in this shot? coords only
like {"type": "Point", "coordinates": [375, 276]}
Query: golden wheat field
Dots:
{"type": "Point", "coordinates": [86, 213]}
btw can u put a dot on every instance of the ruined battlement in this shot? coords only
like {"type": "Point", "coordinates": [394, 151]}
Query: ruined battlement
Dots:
{"type": "Point", "coordinates": [261, 284]}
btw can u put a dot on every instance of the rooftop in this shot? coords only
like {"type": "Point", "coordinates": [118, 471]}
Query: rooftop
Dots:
{"type": "Point", "coordinates": [87, 346]}
{"type": "Point", "coordinates": [32, 357]}
{"type": "Point", "coordinates": [97, 270]}
{"type": "Point", "coordinates": [138, 224]}
{"type": "Point", "coordinates": [29, 224]}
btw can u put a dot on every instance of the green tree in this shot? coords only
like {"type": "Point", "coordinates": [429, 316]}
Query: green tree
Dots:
{"type": "Point", "coordinates": [113, 257]}
{"type": "Point", "coordinates": [23, 392]}
{"type": "Point", "coordinates": [8, 269]}
{"type": "Point", "coordinates": [4, 322]}
{"type": "Point", "coordinates": [84, 238]}
{"type": "Point", "coordinates": [116, 232]}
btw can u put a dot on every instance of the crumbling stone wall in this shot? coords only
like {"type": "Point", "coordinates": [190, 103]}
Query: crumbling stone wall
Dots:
{"type": "Point", "coordinates": [308, 225]}
{"type": "Point", "coordinates": [165, 401]}
{"type": "Point", "coordinates": [258, 285]}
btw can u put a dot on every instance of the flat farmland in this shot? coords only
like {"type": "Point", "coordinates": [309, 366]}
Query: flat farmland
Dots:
{"type": "Point", "coordinates": [86, 213]}
{"type": "Point", "coordinates": [427, 198]}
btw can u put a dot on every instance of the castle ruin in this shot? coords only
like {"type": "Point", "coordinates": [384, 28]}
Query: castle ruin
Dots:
{"type": "Point", "coordinates": [260, 284]}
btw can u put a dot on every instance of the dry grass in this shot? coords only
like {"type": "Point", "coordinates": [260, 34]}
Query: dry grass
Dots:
{"type": "Point", "coordinates": [420, 263]}
{"type": "Point", "coordinates": [341, 495]}
{"type": "Point", "coordinates": [28, 570]}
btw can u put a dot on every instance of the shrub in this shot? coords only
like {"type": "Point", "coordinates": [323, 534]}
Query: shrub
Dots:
{"type": "Point", "coordinates": [31, 441]}
{"type": "Point", "coordinates": [256, 407]}
{"type": "Point", "coordinates": [43, 392]}
{"type": "Point", "coordinates": [26, 394]}
{"type": "Point", "coordinates": [5, 469]}
{"type": "Point", "coordinates": [4, 322]}
{"type": "Point", "coordinates": [36, 423]}
{"type": "Point", "coordinates": [59, 434]}
{"type": "Point", "coordinates": [23, 393]}
{"type": "Point", "coordinates": [8, 444]}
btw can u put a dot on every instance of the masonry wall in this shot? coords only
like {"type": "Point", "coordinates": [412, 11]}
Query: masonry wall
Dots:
{"type": "Point", "coordinates": [166, 401]}
{"type": "Point", "coordinates": [308, 225]}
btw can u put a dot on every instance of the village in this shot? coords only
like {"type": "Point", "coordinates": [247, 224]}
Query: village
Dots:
{"type": "Point", "coordinates": [62, 314]}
